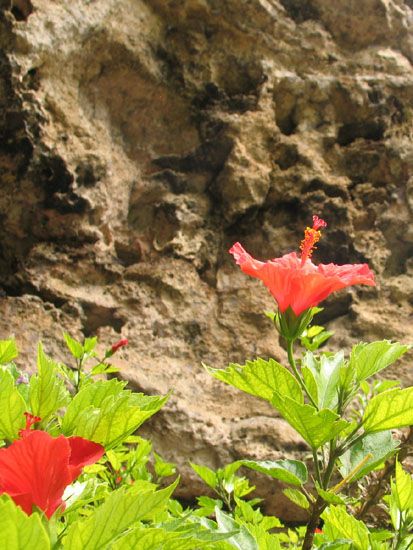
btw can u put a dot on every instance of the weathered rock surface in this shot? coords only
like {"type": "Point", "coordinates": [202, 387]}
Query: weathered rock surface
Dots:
{"type": "Point", "coordinates": [141, 138]}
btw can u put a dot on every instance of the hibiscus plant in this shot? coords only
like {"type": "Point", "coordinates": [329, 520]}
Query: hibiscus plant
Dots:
{"type": "Point", "coordinates": [74, 474]}
{"type": "Point", "coordinates": [317, 393]}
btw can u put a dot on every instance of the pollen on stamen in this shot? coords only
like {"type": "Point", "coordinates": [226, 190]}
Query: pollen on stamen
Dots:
{"type": "Point", "coordinates": [311, 237]}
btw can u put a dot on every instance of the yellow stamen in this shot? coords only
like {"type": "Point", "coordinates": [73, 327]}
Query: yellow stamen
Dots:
{"type": "Point", "coordinates": [311, 237]}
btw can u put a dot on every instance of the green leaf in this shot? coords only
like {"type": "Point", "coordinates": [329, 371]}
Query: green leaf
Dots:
{"type": "Point", "coordinates": [242, 539]}
{"type": "Point", "coordinates": [265, 541]}
{"type": "Point", "coordinates": [314, 336]}
{"type": "Point", "coordinates": [338, 524]}
{"type": "Point", "coordinates": [380, 445]}
{"type": "Point", "coordinates": [206, 474]}
{"type": "Point", "coordinates": [383, 534]}
{"type": "Point", "coordinates": [229, 470]}
{"type": "Point", "coordinates": [19, 531]}
{"type": "Point", "coordinates": [90, 344]}
{"type": "Point", "coordinates": [297, 497]}
{"type": "Point", "coordinates": [173, 535]}
{"type": "Point", "coordinates": [121, 510]}
{"type": "Point", "coordinates": [326, 372]}
{"type": "Point", "coordinates": [288, 471]}
{"type": "Point", "coordinates": [75, 347]}
{"type": "Point", "coordinates": [316, 427]}
{"type": "Point", "coordinates": [114, 459]}
{"type": "Point", "coordinates": [368, 359]}
{"type": "Point", "coordinates": [106, 413]}
{"type": "Point", "coordinates": [260, 378]}
{"type": "Point", "coordinates": [403, 489]}
{"type": "Point", "coordinates": [338, 544]}
{"type": "Point", "coordinates": [103, 368]}
{"type": "Point", "coordinates": [47, 392]}
{"type": "Point", "coordinates": [8, 351]}
{"type": "Point", "coordinates": [156, 539]}
{"type": "Point", "coordinates": [389, 410]}
{"type": "Point", "coordinates": [328, 496]}
{"type": "Point", "coordinates": [163, 468]}
{"type": "Point", "coordinates": [310, 382]}
{"type": "Point", "coordinates": [12, 407]}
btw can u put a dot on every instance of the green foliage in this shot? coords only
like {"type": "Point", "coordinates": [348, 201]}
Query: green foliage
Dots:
{"type": "Point", "coordinates": [163, 468]}
{"type": "Point", "coordinates": [47, 392]}
{"type": "Point", "coordinates": [75, 347]}
{"type": "Point", "coordinates": [326, 373]}
{"type": "Point", "coordinates": [106, 413]}
{"type": "Point", "coordinates": [288, 471]}
{"type": "Point", "coordinates": [238, 535]}
{"type": "Point", "coordinates": [389, 410]}
{"type": "Point", "coordinates": [315, 427]}
{"type": "Point", "coordinates": [260, 378]}
{"type": "Point", "coordinates": [116, 503]}
{"type": "Point", "coordinates": [400, 503]}
{"type": "Point", "coordinates": [228, 486]}
{"type": "Point", "coordinates": [329, 496]}
{"type": "Point", "coordinates": [297, 497]}
{"type": "Point", "coordinates": [163, 539]}
{"type": "Point", "coordinates": [314, 336]}
{"type": "Point", "coordinates": [369, 359]}
{"type": "Point", "coordinates": [121, 511]}
{"type": "Point", "coordinates": [381, 446]}
{"type": "Point", "coordinates": [19, 531]}
{"type": "Point", "coordinates": [402, 489]}
{"type": "Point", "coordinates": [8, 351]}
{"type": "Point", "coordinates": [12, 407]}
{"type": "Point", "coordinates": [206, 474]}
{"type": "Point", "coordinates": [338, 524]}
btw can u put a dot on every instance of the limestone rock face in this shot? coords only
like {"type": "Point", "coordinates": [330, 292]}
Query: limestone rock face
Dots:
{"type": "Point", "coordinates": [139, 139]}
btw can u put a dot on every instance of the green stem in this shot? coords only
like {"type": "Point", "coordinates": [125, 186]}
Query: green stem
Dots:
{"type": "Point", "coordinates": [350, 442]}
{"type": "Point", "coordinates": [79, 363]}
{"type": "Point", "coordinates": [291, 360]}
{"type": "Point", "coordinates": [317, 467]}
{"type": "Point", "coordinates": [398, 539]}
{"type": "Point", "coordinates": [319, 505]}
{"type": "Point", "coordinates": [329, 470]}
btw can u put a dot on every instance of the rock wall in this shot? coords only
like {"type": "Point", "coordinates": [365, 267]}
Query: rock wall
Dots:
{"type": "Point", "coordinates": [140, 138]}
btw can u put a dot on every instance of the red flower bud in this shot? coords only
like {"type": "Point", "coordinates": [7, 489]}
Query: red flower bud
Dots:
{"type": "Point", "coordinates": [115, 347]}
{"type": "Point", "coordinates": [120, 344]}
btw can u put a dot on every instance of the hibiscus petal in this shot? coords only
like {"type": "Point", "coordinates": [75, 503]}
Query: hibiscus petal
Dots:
{"type": "Point", "coordinates": [248, 264]}
{"type": "Point", "coordinates": [82, 453]}
{"type": "Point", "coordinates": [36, 468]}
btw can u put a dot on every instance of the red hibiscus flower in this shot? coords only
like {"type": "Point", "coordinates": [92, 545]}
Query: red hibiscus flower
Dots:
{"type": "Point", "coordinates": [36, 469]}
{"type": "Point", "coordinates": [294, 281]}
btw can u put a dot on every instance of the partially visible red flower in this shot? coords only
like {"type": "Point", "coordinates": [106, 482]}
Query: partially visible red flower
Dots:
{"type": "Point", "coordinates": [36, 469]}
{"type": "Point", "coordinates": [119, 344]}
{"type": "Point", "coordinates": [295, 281]}
{"type": "Point", "coordinates": [318, 531]}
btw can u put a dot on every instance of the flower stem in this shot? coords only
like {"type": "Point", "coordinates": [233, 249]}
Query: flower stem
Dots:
{"type": "Point", "coordinates": [317, 467]}
{"type": "Point", "coordinates": [313, 523]}
{"type": "Point", "coordinates": [291, 360]}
